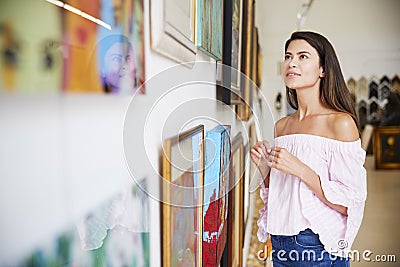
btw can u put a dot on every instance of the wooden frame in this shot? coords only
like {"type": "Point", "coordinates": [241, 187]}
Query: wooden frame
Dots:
{"type": "Point", "coordinates": [209, 27]}
{"type": "Point", "coordinates": [173, 29]}
{"type": "Point", "coordinates": [183, 164]}
{"type": "Point", "coordinates": [228, 85]}
{"type": "Point", "coordinates": [246, 84]}
{"type": "Point", "coordinates": [236, 205]}
{"type": "Point", "coordinates": [387, 147]}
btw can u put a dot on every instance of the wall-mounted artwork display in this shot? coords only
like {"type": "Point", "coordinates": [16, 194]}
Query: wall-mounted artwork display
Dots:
{"type": "Point", "coordinates": [216, 186]}
{"type": "Point", "coordinates": [183, 164]}
{"type": "Point", "coordinates": [173, 29]}
{"type": "Point", "coordinates": [209, 14]}
{"type": "Point", "coordinates": [228, 88]}
{"type": "Point", "coordinates": [91, 46]}
{"type": "Point", "coordinates": [116, 233]}
{"type": "Point", "coordinates": [236, 205]}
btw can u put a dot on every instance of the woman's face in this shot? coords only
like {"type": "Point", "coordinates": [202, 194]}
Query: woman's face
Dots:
{"type": "Point", "coordinates": [119, 67]}
{"type": "Point", "coordinates": [301, 66]}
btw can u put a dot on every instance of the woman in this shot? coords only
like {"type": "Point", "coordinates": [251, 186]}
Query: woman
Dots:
{"type": "Point", "coordinates": [314, 187]}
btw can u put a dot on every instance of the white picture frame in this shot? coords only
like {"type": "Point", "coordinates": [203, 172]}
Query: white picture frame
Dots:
{"type": "Point", "coordinates": [172, 25]}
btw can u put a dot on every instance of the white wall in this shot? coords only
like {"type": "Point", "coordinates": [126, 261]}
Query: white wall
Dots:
{"type": "Point", "coordinates": [365, 34]}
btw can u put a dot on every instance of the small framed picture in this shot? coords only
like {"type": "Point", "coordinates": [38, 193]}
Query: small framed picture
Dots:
{"type": "Point", "coordinates": [387, 147]}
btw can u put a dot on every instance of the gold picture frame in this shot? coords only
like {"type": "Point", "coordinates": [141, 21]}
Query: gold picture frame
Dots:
{"type": "Point", "coordinates": [387, 147]}
{"type": "Point", "coordinates": [248, 38]}
{"type": "Point", "coordinates": [182, 189]}
{"type": "Point", "coordinates": [236, 205]}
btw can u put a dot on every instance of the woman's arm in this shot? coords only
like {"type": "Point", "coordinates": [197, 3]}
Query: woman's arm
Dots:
{"type": "Point", "coordinates": [280, 159]}
{"type": "Point", "coordinates": [312, 179]}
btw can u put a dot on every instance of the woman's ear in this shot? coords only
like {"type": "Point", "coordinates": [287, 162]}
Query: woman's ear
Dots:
{"type": "Point", "coordinates": [322, 72]}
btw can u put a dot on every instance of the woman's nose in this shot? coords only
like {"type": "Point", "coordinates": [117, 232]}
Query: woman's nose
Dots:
{"type": "Point", "coordinates": [292, 63]}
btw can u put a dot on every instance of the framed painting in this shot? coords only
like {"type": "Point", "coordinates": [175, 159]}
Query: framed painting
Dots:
{"type": "Point", "coordinates": [108, 57]}
{"type": "Point", "coordinates": [246, 84]}
{"type": "Point", "coordinates": [209, 27]}
{"type": "Point", "coordinates": [173, 29]}
{"type": "Point", "coordinates": [236, 205]}
{"type": "Point", "coordinates": [228, 87]}
{"type": "Point", "coordinates": [216, 185]}
{"type": "Point", "coordinates": [183, 164]}
{"type": "Point", "coordinates": [387, 147]}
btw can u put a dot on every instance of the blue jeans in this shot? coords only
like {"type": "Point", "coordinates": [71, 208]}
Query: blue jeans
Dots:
{"type": "Point", "coordinates": [303, 249]}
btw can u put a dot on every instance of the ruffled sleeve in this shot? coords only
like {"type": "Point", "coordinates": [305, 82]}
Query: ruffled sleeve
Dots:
{"type": "Point", "coordinates": [345, 184]}
{"type": "Point", "coordinates": [262, 233]}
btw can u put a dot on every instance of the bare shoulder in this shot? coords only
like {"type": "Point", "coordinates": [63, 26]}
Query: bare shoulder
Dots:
{"type": "Point", "coordinates": [281, 125]}
{"type": "Point", "coordinates": [344, 128]}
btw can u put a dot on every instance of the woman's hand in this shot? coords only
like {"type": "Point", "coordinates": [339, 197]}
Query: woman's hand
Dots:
{"type": "Point", "coordinates": [280, 159]}
{"type": "Point", "coordinates": [259, 155]}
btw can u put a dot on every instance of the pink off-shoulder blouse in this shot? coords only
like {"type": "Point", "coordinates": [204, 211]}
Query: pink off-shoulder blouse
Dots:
{"type": "Point", "coordinates": [290, 206]}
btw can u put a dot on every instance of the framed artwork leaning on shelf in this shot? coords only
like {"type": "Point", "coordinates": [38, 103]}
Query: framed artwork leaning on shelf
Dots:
{"type": "Point", "coordinates": [387, 147]}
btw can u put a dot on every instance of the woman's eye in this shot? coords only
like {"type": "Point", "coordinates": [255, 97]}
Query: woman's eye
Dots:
{"type": "Point", "coordinates": [287, 57]}
{"type": "Point", "coordinates": [117, 59]}
{"type": "Point", "coordinates": [303, 57]}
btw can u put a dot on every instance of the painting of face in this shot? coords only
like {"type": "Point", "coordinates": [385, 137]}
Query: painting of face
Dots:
{"type": "Point", "coordinates": [119, 68]}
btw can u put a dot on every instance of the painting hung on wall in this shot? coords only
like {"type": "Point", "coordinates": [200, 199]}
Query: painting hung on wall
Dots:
{"type": "Point", "coordinates": [105, 57]}
{"type": "Point", "coordinates": [236, 205]}
{"type": "Point", "coordinates": [183, 164]}
{"type": "Point", "coordinates": [216, 185]}
{"type": "Point", "coordinates": [209, 27]}
{"type": "Point", "coordinates": [93, 46]}
{"type": "Point", "coordinates": [229, 74]}
{"type": "Point", "coordinates": [173, 30]}
{"type": "Point", "coordinates": [30, 44]}
{"type": "Point", "coordinates": [116, 233]}
{"type": "Point", "coordinates": [246, 85]}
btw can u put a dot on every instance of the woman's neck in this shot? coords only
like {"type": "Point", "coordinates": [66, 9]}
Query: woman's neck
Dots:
{"type": "Point", "coordinates": [309, 103]}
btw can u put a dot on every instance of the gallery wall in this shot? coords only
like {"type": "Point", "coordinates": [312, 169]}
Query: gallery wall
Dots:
{"type": "Point", "coordinates": [63, 154]}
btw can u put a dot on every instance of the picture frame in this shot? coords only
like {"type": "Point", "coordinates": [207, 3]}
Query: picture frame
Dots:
{"type": "Point", "coordinates": [216, 187]}
{"type": "Point", "coordinates": [246, 85]}
{"type": "Point", "coordinates": [387, 147]}
{"type": "Point", "coordinates": [182, 170]}
{"type": "Point", "coordinates": [236, 205]}
{"type": "Point", "coordinates": [173, 32]}
{"type": "Point", "coordinates": [209, 15]}
{"type": "Point", "coordinates": [228, 84]}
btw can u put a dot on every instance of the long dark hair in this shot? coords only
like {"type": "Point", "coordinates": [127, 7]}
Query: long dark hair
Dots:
{"type": "Point", "coordinates": [333, 89]}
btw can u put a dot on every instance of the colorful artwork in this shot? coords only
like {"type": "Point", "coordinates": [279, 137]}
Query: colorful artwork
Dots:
{"type": "Point", "coordinates": [183, 164]}
{"type": "Point", "coordinates": [114, 234]}
{"type": "Point", "coordinates": [31, 58]}
{"type": "Point", "coordinates": [104, 59]}
{"type": "Point", "coordinates": [209, 27]}
{"type": "Point", "coordinates": [183, 219]}
{"type": "Point", "coordinates": [216, 184]}
{"type": "Point", "coordinates": [79, 46]}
